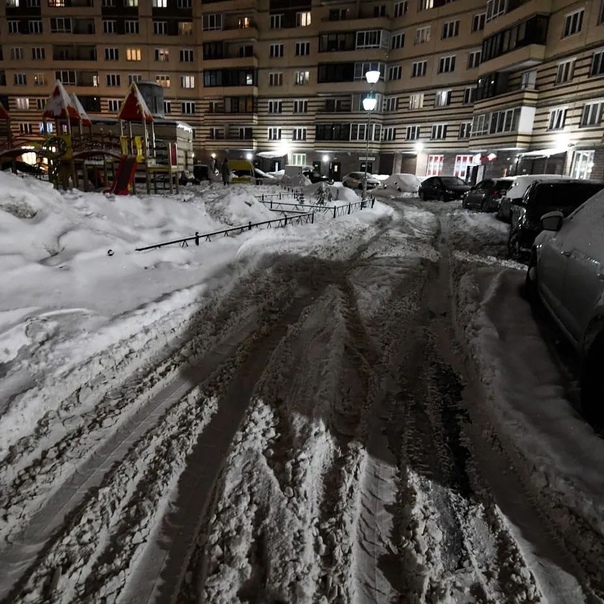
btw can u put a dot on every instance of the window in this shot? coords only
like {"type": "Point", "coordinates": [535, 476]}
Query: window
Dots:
{"type": "Point", "coordinates": [565, 71]}
{"type": "Point", "coordinates": [113, 80]}
{"type": "Point", "coordinates": [390, 104]}
{"type": "Point", "coordinates": [299, 134]}
{"type": "Point", "coordinates": [160, 28]}
{"type": "Point", "coordinates": [60, 25]}
{"type": "Point", "coordinates": [398, 41]}
{"type": "Point", "coordinates": [360, 69]}
{"type": "Point", "coordinates": [469, 95]}
{"type": "Point", "coordinates": [450, 30]}
{"type": "Point", "coordinates": [592, 114]}
{"type": "Point", "coordinates": [426, 4]}
{"type": "Point", "coordinates": [275, 106]}
{"type": "Point", "coordinates": [276, 21]}
{"type": "Point", "coordinates": [337, 14]}
{"type": "Point", "coordinates": [478, 22]}
{"type": "Point", "coordinates": [66, 76]}
{"type": "Point", "coordinates": [16, 53]}
{"type": "Point", "coordinates": [435, 165]}
{"type": "Point", "coordinates": [132, 3]}
{"type": "Point", "coordinates": [418, 69]}
{"type": "Point", "coordinates": [160, 4]}
{"type": "Point", "coordinates": [573, 22]}
{"type": "Point", "coordinates": [601, 13]}
{"type": "Point", "coordinates": [412, 133]}
{"type": "Point", "coordinates": [442, 98]}
{"type": "Point", "coordinates": [186, 55]}
{"type": "Point", "coordinates": [161, 54]}
{"type": "Point", "coordinates": [597, 63]}
{"type": "Point", "coordinates": [301, 78]}
{"type": "Point", "coordinates": [112, 54]}
{"type": "Point", "coordinates": [22, 103]}
{"type": "Point", "coordinates": [438, 132]}
{"type": "Point", "coordinates": [416, 100]}
{"type": "Point", "coordinates": [395, 73]}
{"type": "Point", "coordinates": [25, 128]}
{"type": "Point", "coordinates": [216, 133]}
{"type": "Point", "coordinates": [373, 38]}
{"type": "Point", "coordinates": [400, 8]}
{"type": "Point", "coordinates": [275, 79]}
{"type": "Point", "coordinates": [474, 59]}
{"type": "Point", "coordinates": [20, 79]}
{"type": "Point", "coordinates": [187, 81]}
{"type": "Point", "coordinates": [131, 27]}
{"type": "Point", "coordinates": [163, 79]}
{"type": "Point", "coordinates": [38, 53]}
{"type": "Point", "coordinates": [465, 129]}
{"type": "Point", "coordinates": [379, 11]}
{"type": "Point", "coordinates": [583, 164]}
{"type": "Point", "coordinates": [108, 26]}
{"type": "Point", "coordinates": [557, 118]}
{"type": "Point", "coordinates": [113, 105]}
{"type": "Point", "coordinates": [274, 134]}
{"type": "Point", "coordinates": [302, 49]}
{"type": "Point", "coordinates": [185, 28]}
{"type": "Point", "coordinates": [39, 79]}
{"type": "Point", "coordinates": [528, 80]}
{"type": "Point", "coordinates": [495, 8]}
{"type": "Point", "coordinates": [35, 27]}
{"type": "Point", "coordinates": [298, 159]}
{"type": "Point", "coordinates": [187, 107]}
{"type": "Point", "coordinates": [300, 106]}
{"type": "Point", "coordinates": [276, 50]}
{"type": "Point", "coordinates": [422, 35]}
{"type": "Point", "coordinates": [13, 27]}
{"type": "Point", "coordinates": [133, 54]}
{"type": "Point", "coordinates": [303, 19]}
{"type": "Point", "coordinates": [389, 133]}
{"type": "Point", "coordinates": [446, 64]}
{"type": "Point", "coordinates": [184, 4]}
{"type": "Point", "coordinates": [167, 107]}
{"type": "Point", "coordinates": [108, 3]}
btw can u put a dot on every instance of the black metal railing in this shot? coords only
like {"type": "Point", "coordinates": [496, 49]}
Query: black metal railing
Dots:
{"type": "Point", "coordinates": [306, 218]}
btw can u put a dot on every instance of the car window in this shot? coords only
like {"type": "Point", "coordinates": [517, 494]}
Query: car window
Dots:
{"type": "Point", "coordinates": [564, 194]}
{"type": "Point", "coordinates": [502, 184]}
{"type": "Point", "coordinates": [452, 181]}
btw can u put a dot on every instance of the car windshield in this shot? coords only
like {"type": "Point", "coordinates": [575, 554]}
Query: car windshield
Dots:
{"type": "Point", "coordinates": [452, 181]}
{"type": "Point", "coordinates": [568, 195]}
{"type": "Point", "coordinates": [500, 185]}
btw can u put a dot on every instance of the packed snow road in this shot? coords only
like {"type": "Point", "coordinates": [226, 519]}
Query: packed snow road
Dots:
{"type": "Point", "coordinates": [315, 431]}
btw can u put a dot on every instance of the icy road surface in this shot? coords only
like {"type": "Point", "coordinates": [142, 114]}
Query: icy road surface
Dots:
{"type": "Point", "coordinates": [319, 429]}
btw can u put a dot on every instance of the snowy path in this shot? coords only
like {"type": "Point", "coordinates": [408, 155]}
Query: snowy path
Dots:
{"type": "Point", "coordinates": [313, 434]}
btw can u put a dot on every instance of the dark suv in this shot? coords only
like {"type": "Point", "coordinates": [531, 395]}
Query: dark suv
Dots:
{"type": "Point", "coordinates": [564, 195]}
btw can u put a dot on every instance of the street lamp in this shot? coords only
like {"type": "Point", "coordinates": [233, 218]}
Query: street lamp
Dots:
{"type": "Point", "coordinates": [369, 103]}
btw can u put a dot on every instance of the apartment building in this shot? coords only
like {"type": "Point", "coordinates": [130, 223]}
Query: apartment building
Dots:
{"type": "Point", "coordinates": [508, 85]}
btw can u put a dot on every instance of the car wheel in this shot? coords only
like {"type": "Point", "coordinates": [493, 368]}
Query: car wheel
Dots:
{"type": "Point", "coordinates": [530, 291]}
{"type": "Point", "coordinates": [464, 203]}
{"type": "Point", "coordinates": [592, 383]}
{"type": "Point", "coordinates": [421, 195]}
{"type": "Point", "coordinates": [514, 249]}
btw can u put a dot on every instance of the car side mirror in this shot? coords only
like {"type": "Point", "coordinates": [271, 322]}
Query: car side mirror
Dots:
{"type": "Point", "coordinates": [552, 221]}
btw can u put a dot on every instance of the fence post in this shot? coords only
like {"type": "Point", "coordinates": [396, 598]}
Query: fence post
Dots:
{"type": "Point", "coordinates": [285, 224]}
{"type": "Point", "coordinates": [349, 208]}
{"type": "Point", "coordinates": [372, 201]}
{"type": "Point", "coordinates": [335, 208]}
{"type": "Point", "coordinates": [312, 218]}
{"type": "Point", "coordinates": [271, 203]}
{"type": "Point", "coordinates": [196, 238]}
{"type": "Point", "coordinates": [250, 226]}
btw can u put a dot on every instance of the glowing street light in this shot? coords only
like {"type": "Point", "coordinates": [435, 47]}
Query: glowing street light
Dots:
{"type": "Point", "coordinates": [369, 104]}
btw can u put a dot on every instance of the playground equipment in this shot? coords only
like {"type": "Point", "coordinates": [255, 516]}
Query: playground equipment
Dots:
{"type": "Point", "coordinates": [74, 149]}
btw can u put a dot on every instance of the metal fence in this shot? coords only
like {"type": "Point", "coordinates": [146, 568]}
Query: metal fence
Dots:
{"type": "Point", "coordinates": [306, 218]}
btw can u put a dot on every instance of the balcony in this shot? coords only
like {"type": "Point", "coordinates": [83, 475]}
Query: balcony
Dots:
{"type": "Point", "coordinates": [74, 53]}
{"type": "Point", "coordinates": [524, 96]}
{"type": "Point", "coordinates": [521, 58]}
{"type": "Point", "coordinates": [87, 78]}
{"type": "Point", "coordinates": [232, 32]}
{"type": "Point", "coordinates": [520, 12]}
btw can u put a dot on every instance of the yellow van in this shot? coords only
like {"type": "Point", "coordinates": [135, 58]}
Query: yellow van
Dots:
{"type": "Point", "coordinates": [242, 171]}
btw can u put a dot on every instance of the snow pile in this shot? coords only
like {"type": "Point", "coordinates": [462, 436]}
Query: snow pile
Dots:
{"type": "Point", "coordinates": [238, 206]}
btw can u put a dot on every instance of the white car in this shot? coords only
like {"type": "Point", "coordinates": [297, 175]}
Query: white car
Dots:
{"type": "Point", "coordinates": [402, 182]}
{"type": "Point", "coordinates": [566, 273]}
{"type": "Point", "coordinates": [355, 180]}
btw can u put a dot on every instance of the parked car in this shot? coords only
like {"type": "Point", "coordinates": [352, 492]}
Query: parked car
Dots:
{"type": "Point", "coordinates": [443, 188]}
{"type": "Point", "coordinates": [402, 182]}
{"type": "Point", "coordinates": [541, 197]}
{"type": "Point", "coordinates": [517, 190]}
{"type": "Point", "coordinates": [355, 180]}
{"type": "Point", "coordinates": [566, 273]}
{"type": "Point", "coordinates": [486, 194]}
{"type": "Point", "coordinates": [315, 176]}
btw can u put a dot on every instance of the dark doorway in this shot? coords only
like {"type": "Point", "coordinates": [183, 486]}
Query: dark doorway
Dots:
{"type": "Point", "coordinates": [369, 167]}
{"type": "Point", "coordinates": [317, 166]}
{"type": "Point", "coordinates": [335, 170]}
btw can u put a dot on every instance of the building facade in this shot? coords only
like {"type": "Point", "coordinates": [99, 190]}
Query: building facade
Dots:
{"type": "Point", "coordinates": [503, 86]}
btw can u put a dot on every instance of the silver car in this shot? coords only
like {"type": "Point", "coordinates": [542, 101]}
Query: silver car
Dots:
{"type": "Point", "coordinates": [355, 180]}
{"type": "Point", "coordinates": [566, 273]}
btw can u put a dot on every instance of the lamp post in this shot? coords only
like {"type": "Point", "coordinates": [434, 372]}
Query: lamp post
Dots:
{"type": "Point", "coordinates": [369, 103]}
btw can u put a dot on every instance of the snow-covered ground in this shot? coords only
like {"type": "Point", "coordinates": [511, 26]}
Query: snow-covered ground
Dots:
{"type": "Point", "coordinates": [265, 362]}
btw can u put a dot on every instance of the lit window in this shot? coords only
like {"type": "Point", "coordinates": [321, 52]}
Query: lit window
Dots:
{"type": "Point", "coordinates": [133, 54]}
{"type": "Point", "coordinates": [187, 81]}
{"type": "Point", "coordinates": [303, 19]}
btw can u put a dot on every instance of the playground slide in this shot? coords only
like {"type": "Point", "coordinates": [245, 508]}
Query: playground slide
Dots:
{"type": "Point", "coordinates": [124, 177]}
